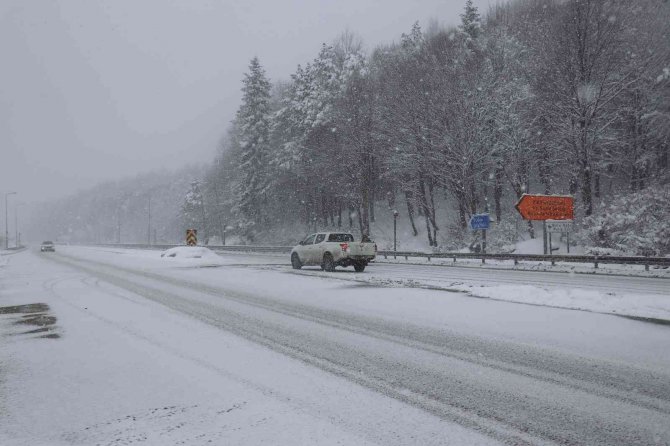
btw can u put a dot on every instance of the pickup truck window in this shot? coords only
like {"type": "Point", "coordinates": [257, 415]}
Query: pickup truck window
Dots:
{"type": "Point", "coordinates": [319, 238]}
{"type": "Point", "coordinates": [309, 240]}
{"type": "Point", "coordinates": [340, 238]}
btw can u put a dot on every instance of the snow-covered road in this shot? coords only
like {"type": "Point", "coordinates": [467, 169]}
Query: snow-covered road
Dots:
{"type": "Point", "coordinates": [156, 351]}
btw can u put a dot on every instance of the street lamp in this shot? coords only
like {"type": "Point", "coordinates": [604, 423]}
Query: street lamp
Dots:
{"type": "Point", "coordinates": [6, 223]}
{"type": "Point", "coordinates": [149, 223]}
{"type": "Point", "coordinates": [395, 231]}
{"type": "Point", "coordinates": [16, 223]}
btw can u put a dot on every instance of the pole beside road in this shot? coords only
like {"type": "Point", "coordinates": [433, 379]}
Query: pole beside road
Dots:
{"type": "Point", "coordinates": [481, 222]}
{"type": "Point", "coordinates": [17, 238]}
{"type": "Point", "coordinates": [7, 194]}
{"type": "Point", "coordinates": [395, 231]}
{"type": "Point", "coordinates": [149, 223]}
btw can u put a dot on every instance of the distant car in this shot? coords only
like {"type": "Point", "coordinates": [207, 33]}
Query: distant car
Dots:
{"type": "Point", "coordinates": [331, 249]}
{"type": "Point", "coordinates": [47, 246]}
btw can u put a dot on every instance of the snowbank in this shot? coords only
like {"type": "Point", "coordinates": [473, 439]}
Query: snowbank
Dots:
{"type": "Point", "coordinates": [192, 256]}
{"type": "Point", "coordinates": [643, 306]}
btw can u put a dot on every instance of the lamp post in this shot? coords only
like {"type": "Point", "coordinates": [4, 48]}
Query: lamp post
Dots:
{"type": "Point", "coordinates": [6, 223]}
{"type": "Point", "coordinates": [395, 231]}
{"type": "Point", "coordinates": [16, 223]}
{"type": "Point", "coordinates": [149, 224]}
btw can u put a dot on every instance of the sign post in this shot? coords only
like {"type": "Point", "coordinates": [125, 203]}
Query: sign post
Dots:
{"type": "Point", "coordinates": [481, 222]}
{"type": "Point", "coordinates": [548, 209]}
{"type": "Point", "coordinates": [395, 230]}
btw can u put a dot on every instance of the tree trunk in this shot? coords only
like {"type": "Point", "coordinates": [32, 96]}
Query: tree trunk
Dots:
{"type": "Point", "coordinates": [331, 211]}
{"type": "Point", "coordinates": [324, 208]}
{"type": "Point", "coordinates": [364, 212]}
{"type": "Point", "coordinates": [573, 185]}
{"type": "Point", "coordinates": [461, 210]}
{"type": "Point", "coordinates": [339, 213]}
{"type": "Point", "coordinates": [545, 177]}
{"type": "Point", "coordinates": [372, 209]}
{"type": "Point", "coordinates": [531, 229]}
{"type": "Point", "coordinates": [428, 214]}
{"type": "Point", "coordinates": [587, 198]}
{"type": "Point", "coordinates": [410, 212]}
{"type": "Point", "coordinates": [431, 193]}
{"type": "Point", "coordinates": [497, 192]}
{"type": "Point", "coordinates": [428, 232]}
{"type": "Point", "coordinates": [519, 190]}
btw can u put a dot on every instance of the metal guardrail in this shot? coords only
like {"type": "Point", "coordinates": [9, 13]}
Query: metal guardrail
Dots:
{"type": "Point", "coordinates": [13, 250]}
{"type": "Point", "coordinates": [596, 260]}
{"type": "Point", "coordinates": [234, 248]}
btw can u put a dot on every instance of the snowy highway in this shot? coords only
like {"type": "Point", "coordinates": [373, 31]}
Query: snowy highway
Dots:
{"type": "Point", "coordinates": [245, 350]}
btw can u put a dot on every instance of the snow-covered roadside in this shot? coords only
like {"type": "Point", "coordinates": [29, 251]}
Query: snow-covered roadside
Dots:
{"type": "Point", "coordinates": [5, 255]}
{"type": "Point", "coordinates": [640, 306]}
{"type": "Point", "coordinates": [646, 306]}
{"type": "Point", "coordinates": [607, 301]}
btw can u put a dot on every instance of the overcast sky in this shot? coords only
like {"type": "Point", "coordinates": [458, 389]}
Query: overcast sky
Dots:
{"type": "Point", "coordinates": [99, 90]}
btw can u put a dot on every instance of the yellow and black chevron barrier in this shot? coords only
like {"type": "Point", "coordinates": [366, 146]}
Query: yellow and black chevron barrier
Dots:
{"type": "Point", "coordinates": [191, 237]}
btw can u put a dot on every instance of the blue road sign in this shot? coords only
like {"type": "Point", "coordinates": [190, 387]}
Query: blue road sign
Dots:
{"type": "Point", "coordinates": [480, 221]}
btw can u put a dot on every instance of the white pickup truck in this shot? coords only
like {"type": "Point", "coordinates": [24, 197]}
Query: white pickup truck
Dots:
{"type": "Point", "coordinates": [331, 249]}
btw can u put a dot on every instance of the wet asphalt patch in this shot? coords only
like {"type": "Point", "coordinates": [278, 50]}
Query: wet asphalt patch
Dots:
{"type": "Point", "coordinates": [362, 285]}
{"type": "Point", "coordinates": [41, 320]}
{"type": "Point", "coordinates": [37, 314]}
{"type": "Point", "coordinates": [29, 308]}
{"type": "Point", "coordinates": [649, 320]}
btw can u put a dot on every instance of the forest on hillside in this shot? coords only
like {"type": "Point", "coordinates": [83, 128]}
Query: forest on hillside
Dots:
{"type": "Point", "coordinates": [533, 96]}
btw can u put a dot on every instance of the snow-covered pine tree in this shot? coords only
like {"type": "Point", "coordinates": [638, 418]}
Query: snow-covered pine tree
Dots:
{"type": "Point", "coordinates": [253, 122]}
{"type": "Point", "coordinates": [470, 20]}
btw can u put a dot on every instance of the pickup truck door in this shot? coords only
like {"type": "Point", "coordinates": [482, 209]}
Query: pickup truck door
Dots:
{"type": "Point", "coordinates": [318, 249]}
{"type": "Point", "coordinates": [305, 250]}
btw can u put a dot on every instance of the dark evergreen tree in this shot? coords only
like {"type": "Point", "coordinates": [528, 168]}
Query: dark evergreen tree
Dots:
{"type": "Point", "coordinates": [470, 20]}
{"type": "Point", "coordinates": [253, 124]}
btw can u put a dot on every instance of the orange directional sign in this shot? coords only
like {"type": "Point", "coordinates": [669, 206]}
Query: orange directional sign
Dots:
{"type": "Point", "coordinates": [545, 207]}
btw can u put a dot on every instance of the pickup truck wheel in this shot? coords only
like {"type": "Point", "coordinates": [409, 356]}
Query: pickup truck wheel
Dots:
{"type": "Point", "coordinates": [359, 267]}
{"type": "Point", "coordinates": [295, 261]}
{"type": "Point", "coordinates": [328, 262]}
